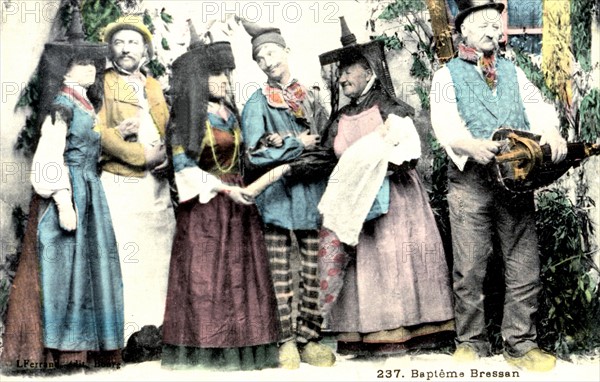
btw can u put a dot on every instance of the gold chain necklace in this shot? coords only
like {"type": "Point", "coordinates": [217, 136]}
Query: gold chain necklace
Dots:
{"type": "Point", "coordinates": [236, 148]}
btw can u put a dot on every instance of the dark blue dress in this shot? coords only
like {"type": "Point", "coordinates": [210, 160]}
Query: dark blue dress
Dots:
{"type": "Point", "coordinates": [80, 274]}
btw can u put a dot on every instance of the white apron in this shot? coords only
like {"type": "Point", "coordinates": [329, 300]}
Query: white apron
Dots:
{"type": "Point", "coordinates": [144, 223]}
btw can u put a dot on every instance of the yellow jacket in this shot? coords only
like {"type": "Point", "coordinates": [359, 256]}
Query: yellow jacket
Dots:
{"type": "Point", "coordinates": [121, 102]}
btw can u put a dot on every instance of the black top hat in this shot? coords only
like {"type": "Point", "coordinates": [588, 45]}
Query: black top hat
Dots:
{"type": "Point", "coordinates": [466, 7]}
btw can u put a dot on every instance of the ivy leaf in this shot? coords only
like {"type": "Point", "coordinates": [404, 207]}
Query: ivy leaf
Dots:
{"type": "Point", "coordinates": [423, 97]}
{"type": "Point", "coordinates": [402, 8]}
{"type": "Point", "coordinates": [391, 42]}
{"type": "Point", "coordinates": [165, 44]}
{"type": "Point", "coordinates": [167, 18]}
{"type": "Point", "coordinates": [148, 21]}
{"type": "Point", "coordinates": [589, 110]}
{"type": "Point", "coordinates": [156, 68]}
{"type": "Point", "coordinates": [418, 69]}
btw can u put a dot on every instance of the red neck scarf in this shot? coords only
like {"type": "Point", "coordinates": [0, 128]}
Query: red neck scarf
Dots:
{"type": "Point", "coordinates": [486, 63]}
{"type": "Point", "coordinates": [289, 98]}
{"type": "Point", "coordinates": [77, 97]}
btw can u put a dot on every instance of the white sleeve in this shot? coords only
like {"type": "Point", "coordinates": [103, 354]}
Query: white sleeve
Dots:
{"type": "Point", "coordinates": [542, 116]}
{"type": "Point", "coordinates": [193, 181]}
{"type": "Point", "coordinates": [404, 133]}
{"type": "Point", "coordinates": [446, 121]}
{"type": "Point", "coordinates": [49, 172]}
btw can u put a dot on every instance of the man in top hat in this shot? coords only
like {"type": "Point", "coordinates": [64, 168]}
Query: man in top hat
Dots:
{"type": "Point", "coordinates": [133, 124]}
{"type": "Point", "coordinates": [280, 124]}
{"type": "Point", "coordinates": [472, 96]}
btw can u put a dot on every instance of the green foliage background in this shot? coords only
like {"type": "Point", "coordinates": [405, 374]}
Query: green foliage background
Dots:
{"type": "Point", "coordinates": [570, 300]}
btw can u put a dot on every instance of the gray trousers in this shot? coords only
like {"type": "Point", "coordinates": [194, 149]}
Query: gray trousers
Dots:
{"type": "Point", "coordinates": [479, 209]}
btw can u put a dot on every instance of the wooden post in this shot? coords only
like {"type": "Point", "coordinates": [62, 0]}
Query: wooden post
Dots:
{"type": "Point", "coordinates": [442, 32]}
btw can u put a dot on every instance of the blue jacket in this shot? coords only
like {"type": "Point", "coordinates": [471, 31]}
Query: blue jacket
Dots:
{"type": "Point", "coordinates": [288, 203]}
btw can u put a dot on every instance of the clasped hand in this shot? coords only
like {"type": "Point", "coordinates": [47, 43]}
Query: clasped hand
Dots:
{"type": "Point", "coordinates": [156, 156]}
{"type": "Point", "coordinates": [237, 194]}
{"type": "Point", "coordinates": [308, 140]}
{"type": "Point", "coordinates": [129, 128]}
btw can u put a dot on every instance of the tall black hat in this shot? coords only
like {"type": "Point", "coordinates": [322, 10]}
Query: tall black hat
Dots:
{"type": "Point", "coordinates": [351, 51]}
{"type": "Point", "coordinates": [466, 7]}
{"type": "Point", "coordinates": [190, 88]}
{"type": "Point", "coordinates": [57, 57]}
